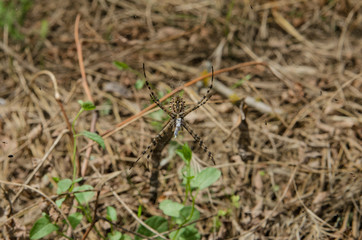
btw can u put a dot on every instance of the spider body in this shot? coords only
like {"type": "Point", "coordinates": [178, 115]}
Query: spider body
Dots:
{"type": "Point", "coordinates": [177, 113]}
{"type": "Point", "coordinates": [177, 107]}
{"type": "Point", "coordinates": [178, 126]}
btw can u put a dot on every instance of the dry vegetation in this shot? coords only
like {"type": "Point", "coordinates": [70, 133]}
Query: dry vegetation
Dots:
{"type": "Point", "coordinates": [302, 175]}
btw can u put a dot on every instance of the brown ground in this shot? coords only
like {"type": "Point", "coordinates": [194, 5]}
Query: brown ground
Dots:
{"type": "Point", "coordinates": [302, 178]}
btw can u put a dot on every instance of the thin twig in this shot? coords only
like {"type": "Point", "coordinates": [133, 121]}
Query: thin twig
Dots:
{"type": "Point", "coordinates": [82, 169]}
{"type": "Point", "coordinates": [56, 96]}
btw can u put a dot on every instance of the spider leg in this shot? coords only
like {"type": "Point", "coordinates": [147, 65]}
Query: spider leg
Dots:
{"type": "Point", "coordinates": [153, 142]}
{"type": "Point", "coordinates": [205, 98]}
{"type": "Point", "coordinates": [199, 140]}
{"type": "Point", "coordinates": [154, 97]}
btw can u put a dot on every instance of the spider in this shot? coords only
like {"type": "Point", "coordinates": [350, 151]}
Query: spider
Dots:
{"type": "Point", "coordinates": [177, 113]}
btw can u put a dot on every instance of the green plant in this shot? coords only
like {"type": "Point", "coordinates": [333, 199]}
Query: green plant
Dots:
{"type": "Point", "coordinates": [183, 214]}
{"type": "Point", "coordinates": [12, 15]}
{"type": "Point", "coordinates": [114, 234]}
{"type": "Point", "coordinates": [124, 66]}
{"type": "Point", "coordinates": [67, 187]}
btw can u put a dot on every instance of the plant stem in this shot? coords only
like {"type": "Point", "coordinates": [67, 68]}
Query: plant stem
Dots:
{"type": "Point", "coordinates": [75, 147]}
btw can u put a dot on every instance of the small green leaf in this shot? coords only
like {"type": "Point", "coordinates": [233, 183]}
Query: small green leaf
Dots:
{"type": "Point", "coordinates": [126, 237]}
{"type": "Point", "coordinates": [139, 84]}
{"type": "Point", "coordinates": [95, 137]}
{"type": "Point", "coordinates": [187, 233]}
{"type": "Point", "coordinates": [275, 188]}
{"type": "Point", "coordinates": [56, 179]}
{"type": "Point", "coordinates": [59, 202]}
{"type": "Point", "coordinates": [185, 213]}
{"type": "Point", "coordinates": [205, 178]}
{"type": "Point", "coordinates": [139, 212]}
{"type": "Point", "coordinates": [87, 106]}
{"type": "Point", "coordinates": [83, 197]}
{"type": "Point", "coordinates": [111, 214]}
{"type": "Point", "coordinates": [64, 185]}
{"type": "Point", "coordinates": [75, 219]}
{"type": "Point", "coordinates": [158, 223]}
{"type": "Point", "coordinates": [171, 208]}
{"type": "Point", "coordinates": [115, 236]}
{"type": "Point", "coordinates": [185, 153]}
{"type": "Point", "coordinates": [222, 213]}
{"type": "Point", "coordinates": [121, 65]}
{"type": "Point", "coordinates": [42, 227]}
{"type": "Point", "coordinates": [44, 29]}
{"type": "Point", "coordinates": [235, 200]}
{"type": "Point", "coordinates": [78, 180]}
{"type": "Point", "coordinates": [241, 81]}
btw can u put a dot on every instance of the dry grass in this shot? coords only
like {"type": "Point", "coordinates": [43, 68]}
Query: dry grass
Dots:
{"type": "Point", "coordinates": [303, 176]}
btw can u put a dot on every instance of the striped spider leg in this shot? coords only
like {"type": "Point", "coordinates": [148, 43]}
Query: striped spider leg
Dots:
{"type": "Point", "coordinates": [154, 97]}
{"type": "Point", "coordinates": [205, 98]}
{"type": "Point", "coordinates": [199, 141]}
{"type": "Point", "coordinates": [154, 142]}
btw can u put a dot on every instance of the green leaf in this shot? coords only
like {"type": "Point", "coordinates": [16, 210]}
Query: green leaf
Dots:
{"type": "Point", "coordinates": [111, 214]}
{"type": "Point", "coordinates": [121, 65]}
{"type": "Point", "coordinates": [241, 81]}
{"type": "Point", "coordinates": [187, 233]}
{"type": "Point", "coordinates": [59, 202]}
{"type": "Point", "coordinates": [44, 29]}
{"type": "Point", "coordinates": [185, 213]}
{"type": "Point", "coordinates": [56, 179]}
{"type": "Point", "coordinates": [157, 223]}
{"type": "Point", "coordinates": [235, 200]}
{"type": "Point", "coordinates": [185, 153]}
{"type": "Point", "coordinates": [222, 213]}
{"type": "Point", "coordinates": [64, 185]}
{"type": "Point", "coordinates": [139, 212]}
{"type": "Point", "coordinates": [42, 228]}
{"type": "Point", "coordinates": [95, 137]}
{"type": "Point", "coordinates": [78, 180]}
{"type": "Point", "coordinates": [75, 219]}
{"type": "Point", "coordinates": [115, 236]}
{"type": "Point", "coordinates": [139, 84]}
{"type": "Point", "coordinates": [126, 237]}
{"type": "Point", "coordinates": [275, 188]}
{"type": "Point", "coordinates": [87, 106]}
{"type": "Point", "coordinates": [83, 197]}
{"type": "Point", "coordinates": [205, 178]}
{"type": "Point", "coordinates": [171, 208]}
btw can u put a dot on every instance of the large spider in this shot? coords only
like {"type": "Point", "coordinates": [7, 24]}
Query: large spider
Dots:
{"type": "Point", "coordinates": [177, 113]}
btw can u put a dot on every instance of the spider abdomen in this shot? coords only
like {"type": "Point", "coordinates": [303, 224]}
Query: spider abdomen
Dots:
{"type": "Point", "coordinates": [177, 126]}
